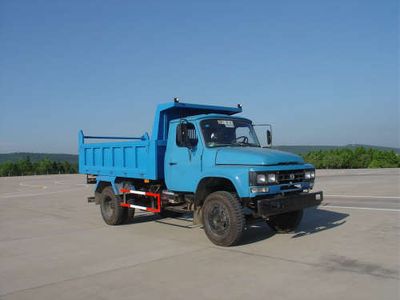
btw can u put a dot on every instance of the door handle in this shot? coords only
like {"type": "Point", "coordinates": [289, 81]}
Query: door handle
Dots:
{"type": "Point", "coordinates": [171, 163]}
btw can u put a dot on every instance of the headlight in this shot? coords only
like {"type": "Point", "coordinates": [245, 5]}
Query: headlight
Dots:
{"type": "Point", "coordinates": [308, 175]}
{"type": "Point", "coordinates": [272, 178]}
{"type": "Point", "coordinates": [261, 179]}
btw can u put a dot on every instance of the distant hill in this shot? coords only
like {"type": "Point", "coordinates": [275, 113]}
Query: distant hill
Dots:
{"type": "Point", "coordinates": [71, 158]}
{"type": "Point", "coordinates": [303, 149]}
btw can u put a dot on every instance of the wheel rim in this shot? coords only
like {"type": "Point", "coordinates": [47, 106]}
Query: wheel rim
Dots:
{"type": "Point", "coordinates": [108, 207]}
{"type": "Point", "coordinates": [218, 219]}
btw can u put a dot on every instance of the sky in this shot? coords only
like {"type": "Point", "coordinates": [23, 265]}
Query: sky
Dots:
{"type": "Point", "coordinates": [321, 72]}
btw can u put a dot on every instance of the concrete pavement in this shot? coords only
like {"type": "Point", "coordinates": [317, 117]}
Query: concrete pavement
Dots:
{"type": "Point", "coordinates": [53, 244]}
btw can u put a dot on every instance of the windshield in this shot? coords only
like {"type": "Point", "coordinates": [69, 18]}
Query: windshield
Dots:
{"type": "Point", "coordinates": [229, 132]}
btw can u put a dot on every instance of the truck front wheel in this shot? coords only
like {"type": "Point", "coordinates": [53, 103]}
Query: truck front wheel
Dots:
{"type": "Point", "coordinates": [223, 218]}
{"type": "Point", "coordinates": [112, 213]}
{"type": "Point", "coordinates": [285, 223]}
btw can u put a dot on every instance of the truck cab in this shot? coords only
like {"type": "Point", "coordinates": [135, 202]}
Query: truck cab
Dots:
{"type": "Point", "coordinates": [226, 147]}
{"type": "Point", "coordinates": [204, 160]}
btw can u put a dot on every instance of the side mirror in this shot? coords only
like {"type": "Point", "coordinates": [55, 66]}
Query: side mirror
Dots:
{"type": "Point", "coordinates": [267, 141]}
{"type": "Point", "coordinates": [269, 137]}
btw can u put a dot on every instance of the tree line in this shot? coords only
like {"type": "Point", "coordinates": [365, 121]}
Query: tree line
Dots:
{"type": "Point", "coordinates": [358, 158]}
{"type": "Point", "coordinates": [41, 167]}
{"type": "Point", "coordinates": [322, 159]}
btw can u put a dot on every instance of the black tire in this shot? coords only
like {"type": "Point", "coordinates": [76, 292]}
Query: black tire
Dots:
{"type": "Point", "coordinates": [223, 218]}
{"type": "Point", "coordinates": [287, 222]}
{"type": "Point", "coordinates": [112, 213]}
{"type": "Point", "coordinates": [130, 214]}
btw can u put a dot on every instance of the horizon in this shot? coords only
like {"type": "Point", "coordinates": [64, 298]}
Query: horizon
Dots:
{"type": "Point", "coordinates": [273, 146]}
{"type": "Point", "coordinates": [320, 73]}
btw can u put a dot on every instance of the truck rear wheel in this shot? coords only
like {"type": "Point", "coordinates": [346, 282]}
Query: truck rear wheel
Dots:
{"type": "Point", "coordinates": [223, 219]}
{"type": "Point", "coordinates": [112, 213]}
{"type": "Point", "coordinates": [130, 214]}
{"type": "Point", "coordinates": [287, 222]}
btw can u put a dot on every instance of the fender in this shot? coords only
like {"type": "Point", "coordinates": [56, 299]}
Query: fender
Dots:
{"type": "Point", "coordinates": [238, 176]}
{"type": "Point", "coordinates": [110, 179]}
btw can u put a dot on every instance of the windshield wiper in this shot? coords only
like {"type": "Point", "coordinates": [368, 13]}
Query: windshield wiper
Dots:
{"type": "Point", "coordinates": [245, 145]}
{"type": "Point", "coordinates": [234, 145]}
{"type": "Point", "coordinates": [219, 145]}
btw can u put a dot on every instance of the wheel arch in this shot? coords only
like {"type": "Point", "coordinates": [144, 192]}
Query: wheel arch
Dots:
{"type": "Point", "coordinates": [210, 184]}
{"type": "Point", "coordinates": [101, 183]}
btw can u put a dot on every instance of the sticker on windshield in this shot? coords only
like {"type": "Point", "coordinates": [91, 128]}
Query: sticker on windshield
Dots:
{"type": "Point", "coordinates": [227, 123]}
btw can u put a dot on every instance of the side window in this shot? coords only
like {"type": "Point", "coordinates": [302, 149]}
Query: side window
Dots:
{"type": "Point", "coordinates": [191, 133]}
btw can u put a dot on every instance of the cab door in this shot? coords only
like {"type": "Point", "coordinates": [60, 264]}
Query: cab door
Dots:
{"type": "Point", "coordinates": [182, 163]}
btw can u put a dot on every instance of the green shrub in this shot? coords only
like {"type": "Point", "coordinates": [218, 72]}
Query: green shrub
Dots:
{"type": "Point", "coordinates": [357, 158]}
{"type": "Point", "coordinates": [44, 166]}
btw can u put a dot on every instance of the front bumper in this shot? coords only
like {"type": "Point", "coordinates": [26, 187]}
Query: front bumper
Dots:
{"type": "Point", "coordinates": [284, 204]}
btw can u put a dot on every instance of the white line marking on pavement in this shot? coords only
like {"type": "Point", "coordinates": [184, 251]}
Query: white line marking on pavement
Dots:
{"type": "Point", "coordinates": [63, 183]}
{"type": "Point", "coordinates": [33, 185]}
{"type": "Point", "coordinates": [41, 194]}
{"type": "Point", "coordinates": [359, 196]}
{"type": "Point", "coordinates": [362, 208]}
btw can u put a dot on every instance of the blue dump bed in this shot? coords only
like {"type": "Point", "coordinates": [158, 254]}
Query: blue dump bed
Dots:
{"type": "Point", "coordinates": [132, 159]}
{"type": "Point", "coordinates": [141, 157]}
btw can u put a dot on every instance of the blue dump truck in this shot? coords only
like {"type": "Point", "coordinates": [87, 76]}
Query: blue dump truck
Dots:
{"type": "Point", "coordinates": [203, 160]}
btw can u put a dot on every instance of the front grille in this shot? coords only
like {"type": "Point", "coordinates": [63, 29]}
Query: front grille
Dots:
{"type": "Point", "coordinates": [290, 176]}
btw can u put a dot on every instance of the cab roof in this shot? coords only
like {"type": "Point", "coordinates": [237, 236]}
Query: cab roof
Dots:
{"type": "Point", "coordinates": [210, 116]}
{"type": "Point", "coordinates": [167, 112]}
{"type": "Point", "coordinates": [189, 109]}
